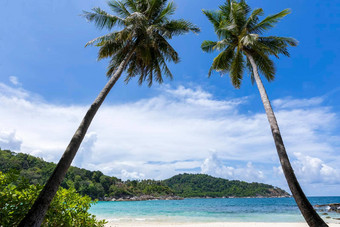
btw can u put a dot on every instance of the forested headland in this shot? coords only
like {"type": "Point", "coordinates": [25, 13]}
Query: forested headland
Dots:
{"type": "Point", "coordinates": [99, 186]}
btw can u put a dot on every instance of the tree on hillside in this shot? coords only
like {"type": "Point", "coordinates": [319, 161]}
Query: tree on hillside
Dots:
{"type": "Point", "coordinates": [243, 47]}
{"type": "Point", "coordinates": [140, 48]}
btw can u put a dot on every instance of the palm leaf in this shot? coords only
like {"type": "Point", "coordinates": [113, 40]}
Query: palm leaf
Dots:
{"type": "Point", "coordinates": [264, 64]}
{"type": "Point", "coordinates": [102, 19]}
{"type": "Point", "coordinates": [276, 45]}
{"type": "Point", "coordinates": [208, 46]}
{"type": "Point", "coordinates": [250, 69]}
{"type": "Point", "coordinates": [222, 62]}
{"type": "Point", "coordinates": [178, 27]}
{"type": "Point", "coordinates": [253, 19]}
{"type": "Point", "coordinates": [236, 69]}
{"type": "Point", "coordinates": [119, 8]}
{"type": "Point", "coordinates": [166, 12]}
{"type": "Point", "coordinates": [214, 17]}
{"type": "Point", "coordinates": [269, 22]}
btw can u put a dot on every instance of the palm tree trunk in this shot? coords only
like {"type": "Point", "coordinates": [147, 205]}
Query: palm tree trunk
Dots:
{"type": "Point", "coordinates": [307, 210]}
{"type": "Point", "coordinates": [37, 212]}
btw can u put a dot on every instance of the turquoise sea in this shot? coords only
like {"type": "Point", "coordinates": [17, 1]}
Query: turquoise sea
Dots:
{"type": "Point", "coordinates": [210, 210]}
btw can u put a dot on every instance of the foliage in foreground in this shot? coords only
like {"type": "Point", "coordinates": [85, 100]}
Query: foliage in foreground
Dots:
{"type": "Point", "coordinates": [68, 208]}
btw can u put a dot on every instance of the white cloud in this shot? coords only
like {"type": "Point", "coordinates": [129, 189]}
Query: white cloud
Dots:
{"type": "Point", "coordinates": [14, 80]}
{"type": "Point", "coordinates": [86, 149]}
{"type": "Point", "coordinates": [169, 133]}
{"type": "Point", "coordinates": [314, 170]}
{"type": "Point", "coordinates": [8, 92]}
{"type": "Point", "coordinates": [215, 167]}
{"type": "Point", "coordinates": [297, 103]}
{"type": "Point", "coordinates": [132, 175]}
{"type": "Point", "coordinates": [9, 140]}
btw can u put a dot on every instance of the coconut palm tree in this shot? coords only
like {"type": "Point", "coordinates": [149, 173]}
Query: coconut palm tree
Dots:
{"type": "Point", "coordinates": [242, 47]}
{"type": "Point", "coordinates": [140, 48]}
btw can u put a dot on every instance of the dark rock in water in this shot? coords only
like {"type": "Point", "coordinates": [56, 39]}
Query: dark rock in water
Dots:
{"type": "Point", "coordinates": [332, 207]}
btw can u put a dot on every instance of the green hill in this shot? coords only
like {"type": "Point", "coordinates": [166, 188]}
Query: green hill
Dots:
{"type": "Point", "coordinates": [92, 183]}
{"type": "Point", "coordinates": [99, 186]}
{"type": "Point", "coordinates": [202, 185]}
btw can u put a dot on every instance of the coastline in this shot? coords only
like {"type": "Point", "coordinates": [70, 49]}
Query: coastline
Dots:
{"type": "Point", "coordinates": [175, 197]}
{"type": "Point", "coordinates": [213, 224]}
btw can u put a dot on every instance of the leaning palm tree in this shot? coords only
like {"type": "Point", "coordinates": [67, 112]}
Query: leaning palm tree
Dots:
{"type": "Point", "coordinates": [242, 47]}
{"type": "Point", "coordinates": [140, 48]}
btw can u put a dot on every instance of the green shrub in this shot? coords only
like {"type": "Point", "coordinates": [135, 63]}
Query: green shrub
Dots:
{"type": "Point", "coordinates": [68, 208]}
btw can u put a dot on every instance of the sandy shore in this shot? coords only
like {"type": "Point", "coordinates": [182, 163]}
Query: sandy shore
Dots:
{"type": "Point", "coordinates": [215, 224]}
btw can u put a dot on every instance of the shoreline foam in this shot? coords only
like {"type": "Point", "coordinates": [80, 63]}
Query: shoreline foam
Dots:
{"type": "Point", "coordinates": [211, 224]}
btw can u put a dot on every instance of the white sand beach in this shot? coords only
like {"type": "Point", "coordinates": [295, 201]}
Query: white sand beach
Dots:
{"type": "Point", "coordinates": [212, 224]}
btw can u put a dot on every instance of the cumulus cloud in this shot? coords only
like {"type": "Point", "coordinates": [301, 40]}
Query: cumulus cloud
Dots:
{"type": "Point", "coordinates": [215, 167]}
{"type": "Point", "coordinates": [312, 170]}
{"type": "Point", "coordinates": [9, 140]}
{"type": "Point", "coordinates": [132, 175]}
{"type": "Point", "coordinates": [172, 132]}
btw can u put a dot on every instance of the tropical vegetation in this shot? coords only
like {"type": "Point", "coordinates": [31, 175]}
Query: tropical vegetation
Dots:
{"type": "Point", "coordinates": [96, 185]}
{"type": "Point", "coordinates": [68, 208]}
{"type": "Point", "coordinates": [242, 47]}
{"type": "Point", "coordinates": [140, 48]}
{"type": "Point", "coordinates": [203, 185]}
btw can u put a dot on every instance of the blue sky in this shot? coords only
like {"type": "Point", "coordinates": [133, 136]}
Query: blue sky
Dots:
{"type": "Point", "coordinates": [195, 124]}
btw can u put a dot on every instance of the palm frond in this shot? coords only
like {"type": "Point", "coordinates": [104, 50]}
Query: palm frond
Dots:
{"type": "Point", "coordinates": [155, 7]}
{"type": "Point", "coordinates": [119, 8]}
{"type": "Point", "coordinates": [276, 45]}
{"type": "Point", "coordinates": [237, 16]}
{"type": "Point", "coordinates": [222, 62]}
{"type": "Point", "coordinates": [236, 69]}
{"type": "Point", "coordinates": [214, 17]}
{"type": "Point", "coordinates": [178, 27]}
{"type": "Point", "coordinates": [100, 39]}
{"type": "Point", "coordinates": [208, 46]}
{"type": "Point", "coordinates": [264, 64]}
{"type": "Point", "coordinates": [131, 5]}
{"type": "Point", "coordinates": [253, 19]}
{"type": "Point", "coordinates": [166, 49]}
{"type": "Point", "coordinates": [269, 22]}
{"type": "Point", "coordinates": [102, 19]}
{"type": "Point", "coordinates": [165, 13]}
{"type": "Point", "coordinates": [108, 49]}
{"type": "Point", "coordinates": [245, 6]}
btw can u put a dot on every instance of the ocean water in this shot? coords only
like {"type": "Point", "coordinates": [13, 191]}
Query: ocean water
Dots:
{"type": "Point", "coordinates": [210, 210]}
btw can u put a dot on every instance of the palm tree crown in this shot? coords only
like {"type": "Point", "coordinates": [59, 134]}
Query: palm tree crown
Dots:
{"type": "Point", "coordinates": [239, 31]}
{"type": "Point", "coordinates": [145, 29]}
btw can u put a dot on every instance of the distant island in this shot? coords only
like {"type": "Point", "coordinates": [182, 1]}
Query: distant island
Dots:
{"type": "Point", "coordinates": [99, 186]}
